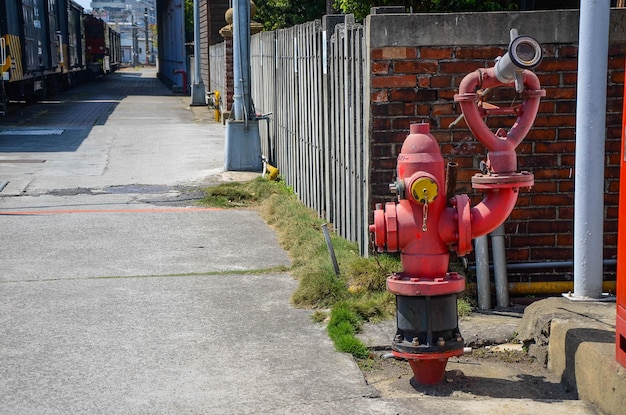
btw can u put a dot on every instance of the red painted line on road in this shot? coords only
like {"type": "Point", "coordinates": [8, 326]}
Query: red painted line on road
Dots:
{"type": "Point", "coordinates": [71, 211]}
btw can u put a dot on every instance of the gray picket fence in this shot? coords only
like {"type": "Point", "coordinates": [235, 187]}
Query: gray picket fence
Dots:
{"type": "Point", "coordinates": [308, 82]}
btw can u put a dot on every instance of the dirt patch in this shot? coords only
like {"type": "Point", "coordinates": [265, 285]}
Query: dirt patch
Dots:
{"type": "Point", "coordinates": [481, 374]}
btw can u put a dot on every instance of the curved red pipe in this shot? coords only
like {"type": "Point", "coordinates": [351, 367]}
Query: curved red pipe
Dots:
{"type": "Point", "coordinates": [495, 207]}
{"type": "Point", "coordinates": [503, 143]}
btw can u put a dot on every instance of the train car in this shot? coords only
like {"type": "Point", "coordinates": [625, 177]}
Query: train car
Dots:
{"type": "Point", "coordinates": [72, 44]}
{"type": "Point", "coordinates": [41, 47]}
{"type": "Point", "coordinates": [50, 45]}
{"type": "Point", "coordinates": [115, 49]}
{"type": "Point", "coordinates": [33, 33]}
{"type": "Point", "coordinates": [103, 46]}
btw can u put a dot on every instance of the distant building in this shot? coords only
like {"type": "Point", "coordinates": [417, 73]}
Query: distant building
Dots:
{"type": "Point", "coordinates": [134, 19]}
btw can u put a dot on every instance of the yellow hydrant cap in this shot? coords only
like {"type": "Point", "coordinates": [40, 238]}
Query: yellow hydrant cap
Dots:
{"type": "Point", "coordinates": [424, 190]}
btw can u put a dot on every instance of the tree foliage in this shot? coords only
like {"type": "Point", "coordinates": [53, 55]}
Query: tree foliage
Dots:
{"type": "Point", "coordinates": [361, 8]}
{"type": "Point", "coordinates": [276, 14]}
{"type": "Point", "coordinates": [188, 21]}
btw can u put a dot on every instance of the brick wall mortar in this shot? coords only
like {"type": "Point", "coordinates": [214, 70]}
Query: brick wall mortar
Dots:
{"type": "Point", "coordinates": [418, 83]}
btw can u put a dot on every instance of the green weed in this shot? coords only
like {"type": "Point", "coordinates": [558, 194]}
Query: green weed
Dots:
{"type": "Point", "coordinates": [344, 324]}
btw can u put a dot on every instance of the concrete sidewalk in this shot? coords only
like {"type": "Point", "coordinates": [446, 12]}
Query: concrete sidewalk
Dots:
{"type": "Point", "coordinates": [120, 295]}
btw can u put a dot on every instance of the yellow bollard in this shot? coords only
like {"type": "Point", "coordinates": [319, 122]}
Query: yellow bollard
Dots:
{"type": "Point", "coordinates": [216, 108]}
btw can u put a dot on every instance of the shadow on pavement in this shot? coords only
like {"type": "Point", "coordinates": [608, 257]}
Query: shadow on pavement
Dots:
{"type": "Point", "coordinates": [27, 128]}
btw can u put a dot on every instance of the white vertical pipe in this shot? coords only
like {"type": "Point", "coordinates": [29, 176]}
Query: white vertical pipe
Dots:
{"type": "Point", "coordinates": [590, 136]}
{"type": "Point", "coordinates": [482, 272]}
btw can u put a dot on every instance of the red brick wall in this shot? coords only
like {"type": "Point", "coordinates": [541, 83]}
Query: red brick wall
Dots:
{"type": "Point", "coordinates": [230, 85]}
{"type": "Point", "coordinates": [203, 7]}
{"type": "Point", "coordinates": [415, 84]}
{"type": "Point", "coordinates": [211, 21]}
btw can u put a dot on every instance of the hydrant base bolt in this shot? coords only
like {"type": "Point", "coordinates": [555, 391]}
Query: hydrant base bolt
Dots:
{"type": "Point", "coordinates": [441, 342]}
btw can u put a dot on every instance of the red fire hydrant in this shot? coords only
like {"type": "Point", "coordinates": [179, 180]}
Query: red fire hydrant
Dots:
{"type": "Point", "coordinates": [425, 227]}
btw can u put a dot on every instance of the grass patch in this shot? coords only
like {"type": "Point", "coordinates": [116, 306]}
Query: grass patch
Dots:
{"type": "Point", "coordinates": [355, 296]}
{"type": "Point", "coordinates": [344, 324]}
{"type": "Point", "coordinates": [243, 194]}
{"type": "Point", "coordinates": [465, 304]}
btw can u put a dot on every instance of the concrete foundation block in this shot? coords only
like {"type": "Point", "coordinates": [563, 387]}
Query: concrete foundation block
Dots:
{"type": "Point", "coordinates": [583, 354]}
{"type": "Point", "coordinates": [243, 146]}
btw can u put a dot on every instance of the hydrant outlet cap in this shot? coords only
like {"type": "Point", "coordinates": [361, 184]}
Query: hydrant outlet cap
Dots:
{"type": "Point", "coordinates": [421, 128]}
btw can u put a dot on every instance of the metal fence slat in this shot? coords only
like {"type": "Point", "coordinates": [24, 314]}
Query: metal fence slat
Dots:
{"type": "Point", "coordinates": [312, 79]}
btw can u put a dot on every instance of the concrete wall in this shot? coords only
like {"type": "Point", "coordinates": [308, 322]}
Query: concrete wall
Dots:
{"type": "Point", "coordinates": [416, 64]}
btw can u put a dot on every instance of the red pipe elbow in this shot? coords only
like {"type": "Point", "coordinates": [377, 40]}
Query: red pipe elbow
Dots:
{"type": "Point", "coordinates": [459, 224]}
{"type": "Point", "coordinates": [492, 211]}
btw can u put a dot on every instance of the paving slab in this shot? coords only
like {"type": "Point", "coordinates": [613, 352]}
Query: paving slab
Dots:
{"type": "Point", "coordinates": [91, 236]}
{"type": "Point", "coordinates": [169, 345]}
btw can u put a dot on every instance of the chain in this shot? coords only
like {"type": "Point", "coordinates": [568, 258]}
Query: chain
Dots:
{"type": "Point", "coordinates": [425, 211]}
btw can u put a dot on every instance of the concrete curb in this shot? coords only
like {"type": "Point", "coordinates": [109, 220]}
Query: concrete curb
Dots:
{"type": "Point", "coordinates": [578, 341]}
{"type": "Point", "coordinates": [583, 354]}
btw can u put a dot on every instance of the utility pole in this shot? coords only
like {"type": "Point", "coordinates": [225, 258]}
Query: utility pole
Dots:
{"type": "Point", "coordinates": [243, 143]}
{"type": "Point", "coordinates": [198, 93]}
{"type": "Point", "coordinates": [134, 40]}
{"type": "Point", "coordinates": [145, 23]}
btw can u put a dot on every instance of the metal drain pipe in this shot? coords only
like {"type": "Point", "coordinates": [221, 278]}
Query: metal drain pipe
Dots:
{"type": "Point", "coordinates": [481, 245]}
{"type": "Point", "coordinates": [543, 265]}
{"type": "Point", "coordinates": [499, 266]}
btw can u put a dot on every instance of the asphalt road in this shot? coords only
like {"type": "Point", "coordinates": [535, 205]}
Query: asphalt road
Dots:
{"type": "Point", "coordinates": [118, 295]}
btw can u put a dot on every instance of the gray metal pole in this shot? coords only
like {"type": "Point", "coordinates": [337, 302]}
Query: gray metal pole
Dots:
{"type": "Point", "coordinates": [241, 60]}
{"type": "Point", "coordinates": [242, 148]}
{"type": "Point", "coordinates": [146, 29]}
{"type": "Point", "coordinates": [500, 275]}
{"type": "Point", "coordinates": [198, 93]}
{"type": "Point", "coordinates": [482, 272]}
{"type": "Point", "coordinates": [590, 136]}
{"type": "Point", "coordinates": [134, 46]}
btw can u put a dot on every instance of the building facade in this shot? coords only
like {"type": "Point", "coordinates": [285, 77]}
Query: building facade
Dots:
{"type": "Point", "coordinates": [136, 21]}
